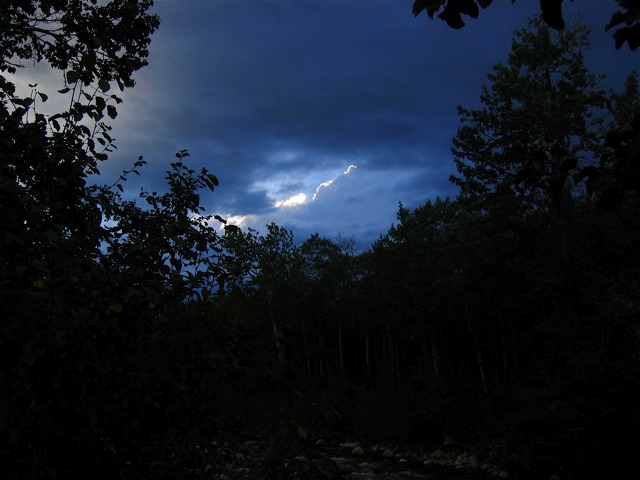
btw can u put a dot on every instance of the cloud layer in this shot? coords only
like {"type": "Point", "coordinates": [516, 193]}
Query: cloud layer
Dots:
{"type": "Point", "coordinates": [283, 99]}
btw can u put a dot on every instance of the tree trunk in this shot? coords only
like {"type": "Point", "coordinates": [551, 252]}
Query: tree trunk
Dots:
{"type": "Point", "coordinates": [476, 346]}
{"type": "Point", "coordinates": [340, 350]}
{"type": "Point", "coordinates": [435, 355]}
{"type": "Point", "coordinates": [277, 335]}
{"type": "Point", "coordinates": [306, 348]}
{"type": "Point", "coordinates": [367, 361]}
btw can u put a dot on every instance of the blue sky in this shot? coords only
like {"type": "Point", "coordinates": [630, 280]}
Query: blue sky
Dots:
{"type": "Point", "coordinates": [320, 116]}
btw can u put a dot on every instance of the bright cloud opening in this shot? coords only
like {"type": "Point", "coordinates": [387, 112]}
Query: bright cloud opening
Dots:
{"type": "Point", "coordinates": [329, 182]}
{"type": "Point", "coordinates": [298, 199]}
{"type": "Point", "coordinates": [242, 221]}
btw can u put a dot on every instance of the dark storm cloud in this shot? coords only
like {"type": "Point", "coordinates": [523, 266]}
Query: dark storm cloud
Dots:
{"type": "Point", "coordinates": [276, 98]}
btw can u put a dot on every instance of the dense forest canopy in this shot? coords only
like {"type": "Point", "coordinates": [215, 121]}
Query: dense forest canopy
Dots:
{"type": "Point", "coordinates": [141, 341]}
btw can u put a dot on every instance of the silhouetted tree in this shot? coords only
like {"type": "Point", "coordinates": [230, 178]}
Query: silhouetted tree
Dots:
{"type": "Point", "coordinates": [103, 302]}
{"type": "Point", "coordinates": [617, 174]}
{"type": "Point", "coordinates": [263, 266]}
{"type": "Point", "coordinates": [542, 120]}
{"type": "Point", "coordinates": [550, 11]}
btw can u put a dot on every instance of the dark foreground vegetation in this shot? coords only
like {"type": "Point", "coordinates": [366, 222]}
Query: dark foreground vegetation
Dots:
{"type": "Point", "coordinates": [137, 342]}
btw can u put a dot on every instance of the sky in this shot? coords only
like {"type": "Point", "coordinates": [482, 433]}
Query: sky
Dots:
{"type": "Point", "coordinates": [320, 116]}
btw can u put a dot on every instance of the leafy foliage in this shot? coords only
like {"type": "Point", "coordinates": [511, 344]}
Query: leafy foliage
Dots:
{"type": "Point", "coordinates": [542, 120]}
{"type": "Point", "coordinates": [550, 13]}
{"type": "Point", "coordinates": [452, 11]}
{"type": "Point", "coordinates": [107, 342]}
{"type": "Point", "coordinates": [616, 176]}
{"type": "Point", "coordinates": [630, 32]}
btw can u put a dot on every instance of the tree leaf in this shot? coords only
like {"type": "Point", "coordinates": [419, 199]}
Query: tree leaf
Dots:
{"type": "Point", "coordinates": [452, 16]}
{"type": "Point", "coordinates": [116, 307]}
{"type": "Point", "coordinates": [419, 6]}
{"type": "Point", "coordinates": [469, 7]}
{"type": "Point", "coordinates": [100, 104]}
{"type": "Point", "coordinates": [176, 263]}
{"type": "Point", "coordinates": [213, 179]}
{"type": "Point", "coordinates": [616, 19]}
{"type": "Point", "coordinates": [72, 76]}
{"type": "Point", "coordinates": [552, 13]}
{"type": "Point", "coordinates": [111, 111]}
{"type": "Point", "coordinates": [631, 35]}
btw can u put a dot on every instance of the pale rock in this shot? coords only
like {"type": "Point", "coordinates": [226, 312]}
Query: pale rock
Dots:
{"type": "Point", "coordinates": [357, 451]}
{"type": "Point", "coordinates": [473, 462]}
{"type": "Point", "coordinates": [451, 456]}
{"type": "Point", "coordinates": [321, 442]}
{"type": "Point", "coordinates": [437, 453]}
{"type": "Point", "coordinates": [349, 445]}
{"type": "Point", "coordinates": [328, 468]}
{"type": "Point", "coordinates": [387, 453]}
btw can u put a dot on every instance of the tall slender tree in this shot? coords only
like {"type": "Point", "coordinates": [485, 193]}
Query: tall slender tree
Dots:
{"type": "Point", "coordinates": [542, 118]}
{"type": "Point", "coordinates": [263, 265]}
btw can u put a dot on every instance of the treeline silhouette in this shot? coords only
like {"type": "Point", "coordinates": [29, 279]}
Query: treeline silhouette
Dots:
{"type": "Point", "coordinates": [138, 341]}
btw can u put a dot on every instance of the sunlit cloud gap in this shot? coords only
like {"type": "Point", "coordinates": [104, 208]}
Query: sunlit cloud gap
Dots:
{"type": "Point", "coordinates": [241, 221]}
{"type": "Point", "coordinates": [298, 199]}
{"type": "Point", "coordinates": [301, 198]}
{"type": "Point", "coordinates": [321, 186]}
{"type": "Point", "coordinates": [329, 182]}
